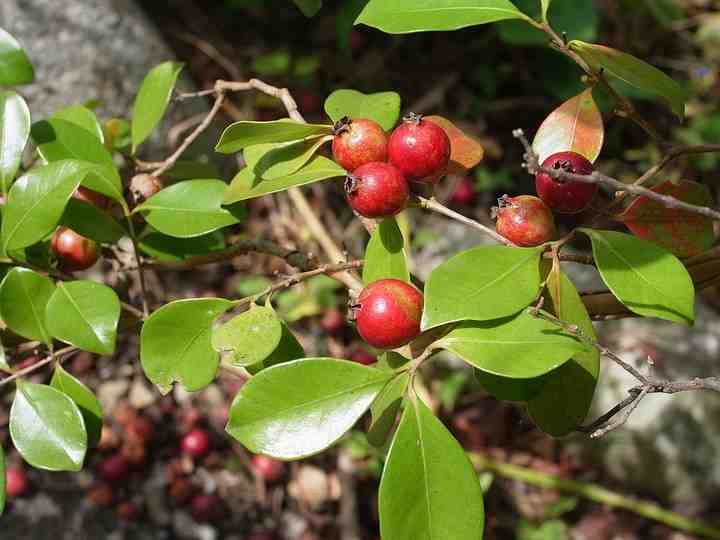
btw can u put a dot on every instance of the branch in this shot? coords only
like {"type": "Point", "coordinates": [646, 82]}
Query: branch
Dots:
{"type": "Point", "coordinates": [60, 356]}
{"type": "Point", "coordinates": [533, 167]}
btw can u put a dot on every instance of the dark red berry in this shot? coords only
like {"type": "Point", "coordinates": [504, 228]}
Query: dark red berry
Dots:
{"type": "Point", "coordinates": [388, 313]}
{"type": "Point", "coordinates": [16, 482]}
{"type": "Point", "coordinates": [269, 469]}
{"type": "Point", "coordinates": [464, 192]}
{"type": "Point", "coordinates": [565, 197]}
{"type": "Point", "coordinates": [143, 186]}
{"type": "Point", "coordinates": [377, 190]}
{"type": "Point", "coordinates": [361, 356]}
{"type": "Point", "coordinates": [92, 197]}
{"type": "Point", "coordinates": [525, 220]}
{"type": "Point", "coordinates": [206, 507]}
{"type": "Point", "coordinates": [333, 321]}
{"type": "Point", "coordinates": [196, 443]}
{"type": "Point", "coordinates": [113, 468]}
{"type": "Point", "coordinates": [358, 142]}
{"type": "Point", "coordinates": [74, 252]}
{"type": "Point", "coordinates": [420, 149]}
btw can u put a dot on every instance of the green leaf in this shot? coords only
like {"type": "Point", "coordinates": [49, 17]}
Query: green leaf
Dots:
{"type": "Point", "coordinates": [300, 408]}
{"type": "Point", "coordinates": [91, 222]}
{"type": "Point", "coordinates": [2, 480]}
{"type": "Point", "coordinates": [85, 400]}
{"type": "Point", "coordinates": [385, 408]}
{"type": "Point", "coordinates": [509, 389]}
{"type": "Point", "coordinates": [579, 19]}
{"type": "Point", "coordinates": [567, 392]}
{"type": "Point", "coordinates": [175, 343]}
{"type": "Point", "coordinates": [248, 133]}
{"type": "Point", "coordinates": [646, 278]}
{"type": "Point", "coordinates": [634, 72]}
{"type": "Point", "coordinates": [309, 7]}
{"type": "Point", "coordinates": [190, 208]}
{"type": "Point", "coordinates": [250, 337]}
{"type": "Point", "coordinates": [545, 6]}
{"type": "Point", "coordinates": [246, 185]}
{"type": "Point", "coordinates": [273, 161]}
{"type": "Point", "coordinates": [37, 200]}
{"type": "Point", "coordinates": [14, 132]}
{"type": "Point", "coordinates": [404, 16]}
{"type": "Point", "coordinates": [15, 66]}
{"type": "Point", "coordinates": [24, 294]}
{"type": "Point", "coordinates": [385, 254]}
{"type": "Point", "coordinates": [383, 107]}
{"type": "Point", "coordinates": [169, 248]}
{"type": "Point", "coordinates": [522, 347]}
{"type": "Point", "coordinates": [429, 488]}
{"type": "Point", "coordinates": [84, 314]}
{"type": "Point", "coordinates": [482, 283]}
{"type": "Point", "coordinates": [59, 139]}
{"type": "Point", "coordinates": [152, 100]}
{"type": "Point", "coordinates": [83, 117]}
{"type": "Point", "coordinates": [47, 428]}
{"type": "Point", "coordinates": [288, 349]}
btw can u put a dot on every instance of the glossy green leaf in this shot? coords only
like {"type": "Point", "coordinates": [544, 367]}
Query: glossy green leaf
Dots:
{"type": "Point", "coordinates": [510, 389]}
{"type": "Point", "coordinates": [85, 400]}
{"type": "Point", "coordinates": [152, 100]}
{"type": "Point", "coordinates": [84, 314]}
{"type": "Point", "coordinates": [429, 488]}
{"type": "Point", "coordinates": [190, 208]}
{"type": "Point", "coordinates": [175, 343]}
{"type": "Point", "coordinates": [24, 294]}
{"type": "Point", "coordinates": [14, 133]}
{"type": "Point", "coordinates": [287, 349]}
{"type": "Point", "coordinates": [15, 66]}
{"type": "Point", "coordinates": [404, 16]}
{"type": "Point", "coordinates": [169, 248]}
{"type": "Point", "coordinates": [300, 408]}
{"type": "Point", "coordinates": [37, 200]}
{"type": "Point", "coordinates": [634, 72]}
{"type": "Point", "coordinates": [309, 7]}
{"type": "Point", "coordinates": [273, 161]}
{"type": "Point", "coordinates": [646, 278]}
{"type": "Point", "coordinates": [482, 283]}
{"type": "Point", "coordinates": [522, 347]}
{"type": "Point", "coordinates": [246, 185]}
{"type": "Point", "coordinates": [91, 222]}
{"type": "Point", "coordinates": [82, 117]}
{"type": "Point", "coordinates": [59, 139]}
{"type": "Point", "coordinates": [47, 428]}
{"type": "Point", "coordinates": [578, 19]}
{"type": "Point", "coordinates": [385, 254]}
{"type": "Point", "coordinates": [249, 337]}
{"type": "Point", "coordinates": [383, 107]}
{"type": "Point", "coordinates": [248, 133]}
{"type": "Point", "coordinates": [385, 408]}
{"type": "Point", "coordinates": [2, 480]}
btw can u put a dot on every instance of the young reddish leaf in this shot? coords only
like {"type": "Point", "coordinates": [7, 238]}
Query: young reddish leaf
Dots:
{"type": "Point", "coordinates": [575, 126]}
{"type": "Point", "coordinates": [465, 152]}
{"type": "Point", "coordinates": [683, 233]}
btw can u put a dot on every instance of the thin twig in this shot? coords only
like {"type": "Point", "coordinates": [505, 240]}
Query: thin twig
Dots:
{"type": "Point", "coordinates": [60, 355]}
{"type": "Point", "coordinates": [533, 167]}
{"type": "Point", "coordinates": [139, 263]}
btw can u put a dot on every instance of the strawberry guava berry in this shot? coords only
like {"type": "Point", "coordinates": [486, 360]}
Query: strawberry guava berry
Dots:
{"type": "Point", "coordinates": [565, 197]}
{"type": "Point", "coordinates": [357, 142]}
{"type": "Point", "coordinates": [524, 220]}
{"type": "Point", "coordinates": [377, 190]}
{"type": "Point", "coordinates": [420, 149]}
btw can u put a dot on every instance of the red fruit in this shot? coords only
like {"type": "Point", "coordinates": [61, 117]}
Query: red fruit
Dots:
{"type": "Point", "coordinates": [565, 197]}
{"type": "Point", "coordinates": [377, 190]}
{"type": "Point", "coordinates": [270, 470]}
{"type": "Point", "coordinates": [143, 186]}
{"type": "Point", "coordinates": [358, 142]}
{"type": "Point", "coordinates": [363, 357]}
{"type": "Point", "coordinates": [75, 252]}
{"type": "Point", "coordinates": [16, 482]}
{"type": "Point", "coordinates": [204, 507]}
{"type": "Point", "coordinates": [101, 495]}
{"type": "Point", "coordinates": [525, 220]}
{"type": "Point", "coordinates": [388, 313]}
{"type": "Point", "coordinates": [92, 197]}
{"type": "Point", "coordinates": [420, 149]}
{"type": "Point", "coordinates": [464, 192]}
{"type": "Point", "coordinates": [127, 511]}
{"type": "Point", "coordinates": [196, 443]}
{"type": "Point", "coordinates": [333, 321]}
{"type": "Point", "coordinates": [113, 468]}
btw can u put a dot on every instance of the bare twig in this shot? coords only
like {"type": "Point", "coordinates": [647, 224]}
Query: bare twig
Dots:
{"type": "Point", "coordinates": [533, 167]}
{"type": "Point", "coordinates": [139, 263]}
{"type": "Point", "coordinates": [60, 356]}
